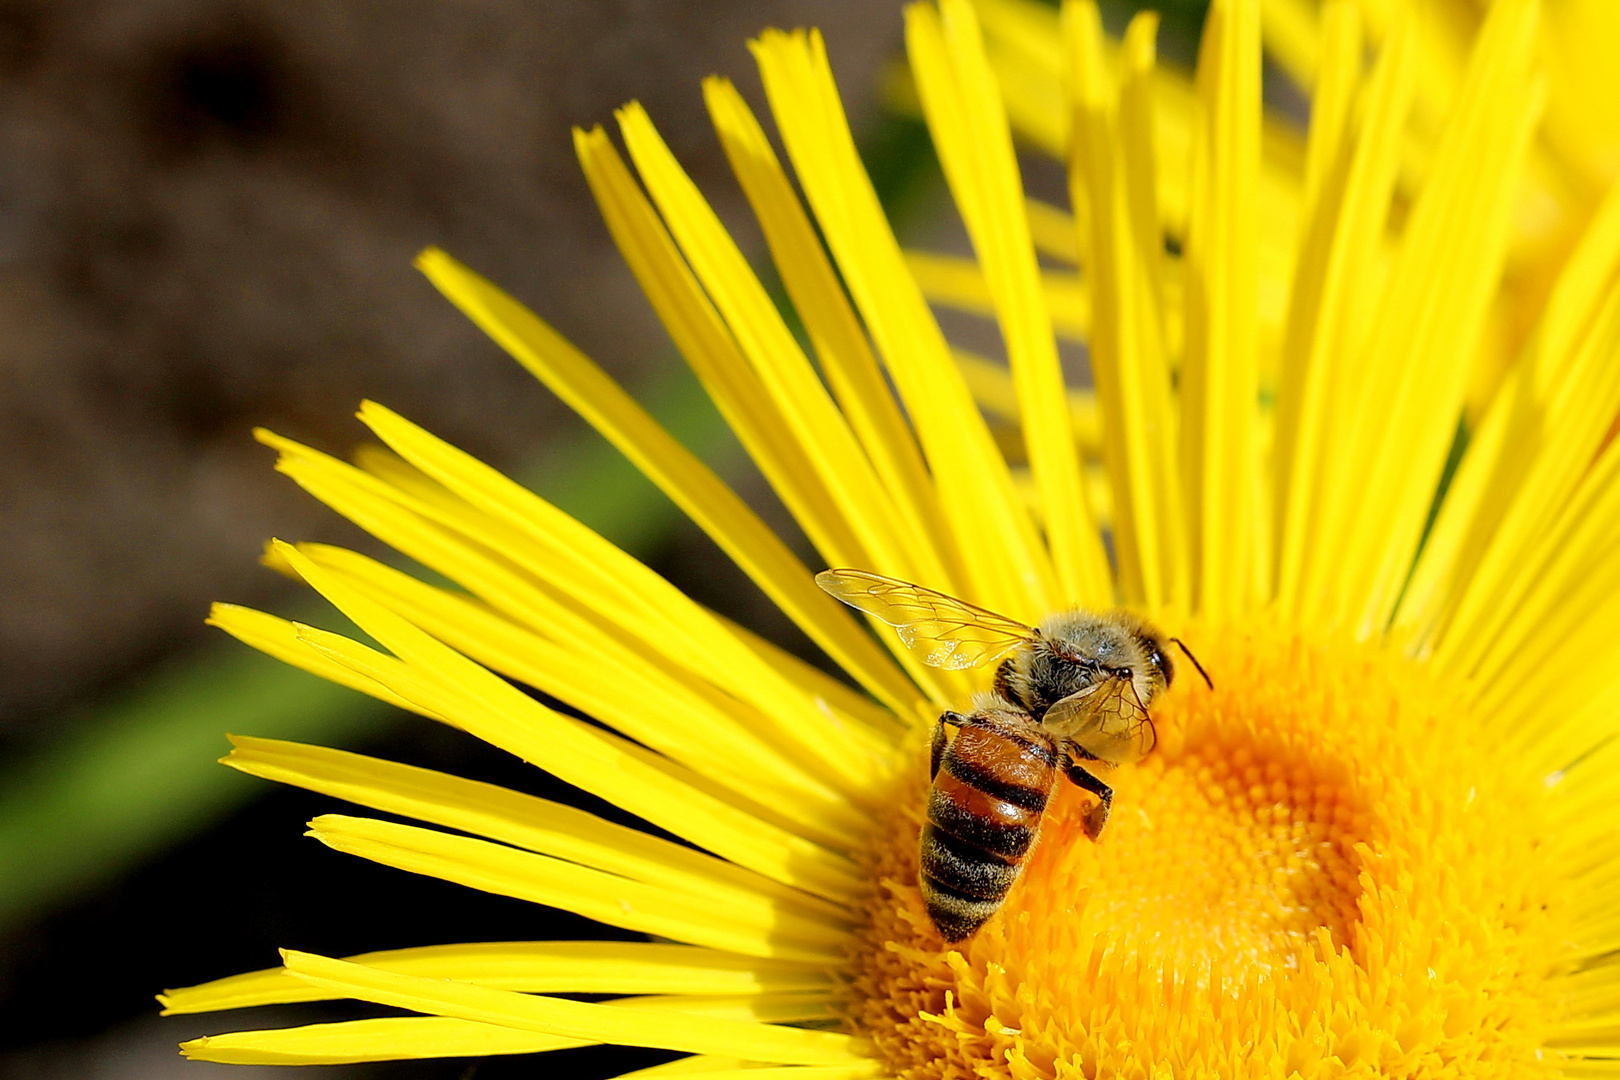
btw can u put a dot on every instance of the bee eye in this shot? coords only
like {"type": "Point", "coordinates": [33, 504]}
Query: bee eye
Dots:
{"type": "Point", "coordinates": [1124, 673]}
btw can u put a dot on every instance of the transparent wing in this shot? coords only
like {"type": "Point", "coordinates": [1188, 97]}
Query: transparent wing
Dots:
{"type": "Point", "coordinates": [1107, 720]}
{"type": "Point", "coordinates": [943, 631]}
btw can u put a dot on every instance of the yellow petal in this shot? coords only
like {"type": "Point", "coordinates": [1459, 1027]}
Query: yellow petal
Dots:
{"type": "Point", "coordinates": [1297, 43]}
{"type": "Point", "coordinates": [604, 655]}
{"type": "Point", "coordinates": [576, 1019]}
{"type": "Point", "coordinates": [279, 638]}
{"type": "Point", "coordinates": [400, 1038]}
{"type": "Point", "coordinates": [709, 346]}
{"type": "Point", "coordinates": [1414, 361]}
{"type": "Point", "coordinates": [511, 817]}
{"type": "Point", "coordinates": [1335, 85]}
{"type": "Point", "coordinates": [701, 1063]}
{"type": "Point", "coordinates": [392, 1038]}
{"type": "Point", "coordinates": [1220, 377]}
{"type": "Point", "coordinates": [1538, 440]}
{"type": "Point", "coordinates": [963, 107]}
{"type": "Point", "coordinates": [424, 520]}
{"type": "Point", "coordinates": [711, 350]}
{"type": "Point", "coordinates": [840, 343]}
{"type": "Point", "coordinates": [752, 928]}
{"type": "Point", "coordinates": [1487, 139]}
{"type": "Point", "coordinates": [1333, 294]}
{"type": "Point", "coordinates": [851, 1071]}
{"type": "Point", "coordinates": [1026, 49]}
{"type": "Point", "coordinates": [1051, 230]}
{"type": "Point", "coordinates": [1111, 171]}
{"type": "Point", "coordinates": [643, 602]}
{"type": "Point", "coordinates": [606, 765]}
{"type": "Point", "coordinates": [954, 281]}
{"type": "Point", "coordinates": [687, 481]}
{"type": "Point", "coordinates": [846, 704]}
{"type": "Point", "coordinates": [1006, 566]}
{"type": "Point", "coordinates": [992, 388]}
{"type": "Point", "coordinates": [712, 733]}
{"type": "Point", "coordinates": [1562, 594]}
{"type": "Point", "coordinates": [763, 337]}
{"type": "Point", "coordinates": [572, 967]}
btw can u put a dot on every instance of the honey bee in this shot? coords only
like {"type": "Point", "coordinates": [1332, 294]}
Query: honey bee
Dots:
{"type": "Point", "coordinates": [1075, 689]}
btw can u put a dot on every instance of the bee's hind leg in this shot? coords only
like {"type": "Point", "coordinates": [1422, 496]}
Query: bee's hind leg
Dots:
{"type": "Point", "coordinates": [1082, 778]}
{"type": "Point", "coordinates": [936, 752]}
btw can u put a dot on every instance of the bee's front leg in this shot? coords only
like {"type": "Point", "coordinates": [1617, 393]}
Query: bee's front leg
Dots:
{"type": "Point", "coordinates": [1081, 778]}
{"type": "Point", "coordinates": [936, 753]}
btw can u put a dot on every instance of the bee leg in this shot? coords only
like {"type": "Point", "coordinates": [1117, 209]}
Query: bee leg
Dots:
{"type": "Point", "coordinates": [936, 753]}
{"type": "Point", "coordinates": [1082, 779]}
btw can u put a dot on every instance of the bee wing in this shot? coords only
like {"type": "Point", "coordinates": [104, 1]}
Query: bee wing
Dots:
{"type": "Point", "coordinates": [943, 631]}
{"type": "Point", "coordinates": [1107, 720]}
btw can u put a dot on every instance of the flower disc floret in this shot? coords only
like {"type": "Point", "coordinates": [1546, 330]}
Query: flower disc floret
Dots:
{"type": "Point", "coordinates": [1321, 870]}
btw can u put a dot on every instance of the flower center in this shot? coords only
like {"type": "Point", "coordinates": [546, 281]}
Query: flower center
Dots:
{"type": "Point", "coordinates": [1232, 853]}
{"type": "Point", "coordinates": [1320, 866]}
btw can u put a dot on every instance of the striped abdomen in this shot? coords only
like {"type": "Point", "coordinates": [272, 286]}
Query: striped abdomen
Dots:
{"type": "Point", "coordinates": [988, 795]}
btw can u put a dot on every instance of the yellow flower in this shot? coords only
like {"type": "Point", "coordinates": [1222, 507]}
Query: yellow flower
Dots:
{"type": "Point", "coordinates": [1383, 844]}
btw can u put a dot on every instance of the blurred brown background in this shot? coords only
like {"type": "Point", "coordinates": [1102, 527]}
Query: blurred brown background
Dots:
{"type": "Point", "coordinates": [207, 215]}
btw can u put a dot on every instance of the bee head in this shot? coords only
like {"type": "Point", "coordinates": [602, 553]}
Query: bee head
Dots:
{"type": "Point", "coordinates": [1160, 669]}
{"type": "Point", "coordinates": [1073, 650]}
{"type": "Point", "coordinates": [1153, 671]}
{"type": "Point", "coordinates": [1155, 651]}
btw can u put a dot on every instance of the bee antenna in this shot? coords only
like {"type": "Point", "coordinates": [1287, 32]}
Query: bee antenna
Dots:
{"type": "Point", "coordinates": [1182, 645]}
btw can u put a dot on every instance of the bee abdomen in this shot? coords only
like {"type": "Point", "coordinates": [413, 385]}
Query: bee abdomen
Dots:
{"type": "Point", "coordinates": [963, 867]}
{"type": "Point", "coordinates": [983, 810]}
{"type": "Point", "coordinates": [954, 915]}
{"type": "Point", "coordinates": [1007, 764]}
{"type": "Point", "coordinates": [983, 820]}
{"type": "Point", "coordinates": [962, 884]}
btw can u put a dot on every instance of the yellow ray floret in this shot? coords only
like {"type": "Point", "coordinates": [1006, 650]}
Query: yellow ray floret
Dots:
{"type": "Point", "coordinates": [572, 967]}
{"type": "Point", "coordinates": [1430, 322]}
{"type": "Point", "coordinates": [1220, 451]}
{"type": "Point", "coordinates": [993, 387]}
{"type": "Point", "coordinates": [625, 588]}
{"type": "Point", "coordinates": [279, 638]}
{"type": "Point", "coordinates": [847, 360]}
{"type": "Point", "coordinates": [690, 484]}
{"type": "Point", "coordinates": [443, 680]}
{"type": "Point", "coordinates": [1353, 173]}
{"type": "Point", "coordinates": [511, 817]}
{"type": "Point", "coordinates": [403, 507]}
{"type": "Point", "coordinates": [757, 928]}
{"type": "Point", "coordinates": [612, 611]}
{"type": "Point", "coordinates": [392, 1038]}
{"type": "Point", "coordinates": [1006, 565]}
{"type": "Point", "coordinates": [808, 411]}
{"type": "Point", "coordinates": [1534, 445]}
{"type": "Point", "coordinates": [706, 730]}
{"type": "Point", "coordinates": [854, 1070]}
{"type": "Point", "coordinates": [1111, 170]}
{"type": "Point", "coordinates": [668, 1030]}
{"type": "Point", "coordinates": [440, 1036]}
{"type": "Point", "coordinates": [711, 349]}
{"type": "Point", "coordinates": [970, 132]}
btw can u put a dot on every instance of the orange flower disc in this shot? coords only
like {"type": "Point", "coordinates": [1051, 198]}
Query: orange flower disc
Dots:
{"type": "Point", "coordinates": [1319, 871]}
